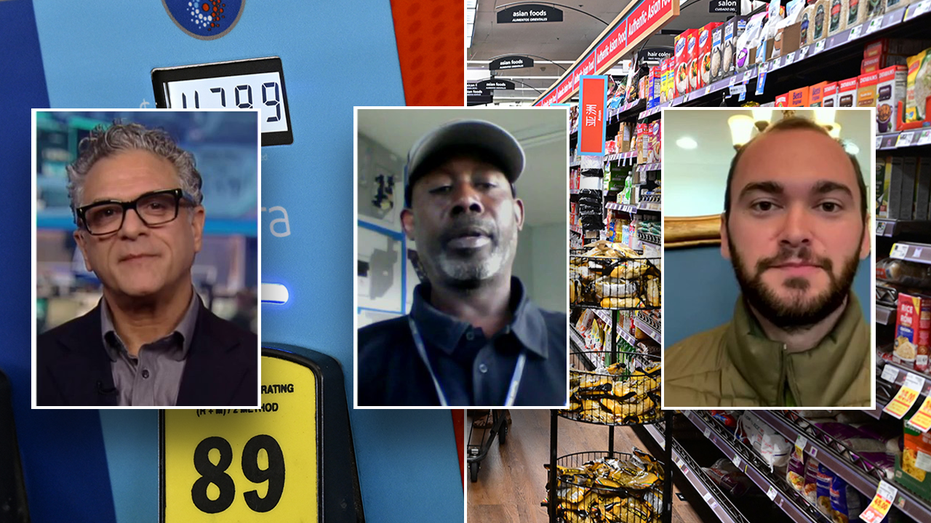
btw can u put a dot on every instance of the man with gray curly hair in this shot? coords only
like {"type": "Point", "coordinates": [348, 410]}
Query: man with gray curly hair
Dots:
{"type": "Point", "coordinates": [137, 203]}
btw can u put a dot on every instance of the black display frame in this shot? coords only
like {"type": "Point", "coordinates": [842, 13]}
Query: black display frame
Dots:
{"type": "Point", "coordinates": [161, 76]}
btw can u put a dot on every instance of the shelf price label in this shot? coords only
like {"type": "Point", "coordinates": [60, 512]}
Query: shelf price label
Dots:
{"type": "Point", "coordinates": [819, 46]}
{"type": "Point", "coordinates": [771, 493]}
{"type": "Point", "coordinates": [800, 444]}
{"type": "Point", "coordinates": [922, 419]}
{"type": "Point", "coordinates": [875, 25]}
{"type": "Point", "coordinates": [906, 396]}
{"type": "Point", "coordinates": [790, 58]}
{"type": "Point", "coordinates": [917, 9]}
{"type": "Point", "coordinates": [924, 138]}
{"type": "Point", "coordinates": [802, 53]}
{"type": "Point", "coordinates": [881, 229]}
{"type": "Point", "coordinates": [899, 251]}
{"type": "Point", "coordinates": [736, 460]}
{"type": "Point", "coordinates": [890, 372]}
{"type": "Point", "coordinates": [879, 141]}
{"type": "Point", "coordinates": [882, 501]}
{"type": "Point", "coordinates": [904, 140]}
{"type": "Point", "coordinates": [855, 33]}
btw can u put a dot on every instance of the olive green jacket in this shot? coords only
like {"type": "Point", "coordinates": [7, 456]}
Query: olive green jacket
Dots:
{"type": "Point", "coordinates": [735, 365]}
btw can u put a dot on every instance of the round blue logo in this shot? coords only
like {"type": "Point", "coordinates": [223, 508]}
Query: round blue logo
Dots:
{"type": "Point", "coordinates": [204, 19]}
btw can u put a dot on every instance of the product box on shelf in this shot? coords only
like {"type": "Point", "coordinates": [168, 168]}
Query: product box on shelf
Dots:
{"type": "Point", "coordinates": [816, 94]}
{"type": "Point", "coordinates": [623, 137]}
{"type": "Point", "coordinates": [662, 81]}
{"type": "Point", "coordinates": [656, 78]}
{"type": "Point", "coordinates": [655, 141]}
{"type": "Point", "coordinates": [901, 190]}
{"type": "Point", "coordinates": [682, 62]}
{"type": "Point", "coordinates": [875, 63]}
{"type": "Point", "coordinates": [895, 46]}
{"type": "Point", "coordinates": [829, 95]}
{"type": "Point", "coordinates": [847, 92]}
{"type": "Point", "coordinates": [890, 90]}
{"type": "Point", "coordinates": [691, 48]}
{"type": "Point", "coordinates": [883, 183]}
{"type": "Point", "coordinates": [615, 176]}
{"type": "Point", "coordinates": [733, 28]}
{"type": "Point", "coordinates": [912, 331]}
{"type": "Point", "coordinates": [856, 14]}
{"type": "Point", "coordinates": [799, 97]}
{"type": "Point", "coordinates": [805, 25]}
{"type": "Point", "coordinates": [782, 100]}
{"type": "Point", "coordinates": [705, 46]}
{"type": "Point", "coordinates": [787, 39]}
{"type": "Point", "coordinates": [837, 19]}
{"type": "Point", "coordinates": [923, 190]}
{"type": "Point", "coordinates": [913, 466]}
{"type": "Point", "coordinates": [866, 89]}
{"type": "Point", "coordinates": [818, 27]}
{"type": "Point", "coordinates": [717, 47]}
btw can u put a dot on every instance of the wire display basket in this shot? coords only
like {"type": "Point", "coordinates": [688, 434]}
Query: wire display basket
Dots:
{"type": "Point", "coordinates": [622, 389]}
{"type": "Point", "coordinates": [603, 487]}
{"type": "Point", "coordinates": [614, 281]}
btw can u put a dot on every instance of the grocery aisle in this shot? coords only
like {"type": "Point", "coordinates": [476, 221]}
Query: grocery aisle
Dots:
{"type": "Point", "coordinates": [511, 482]}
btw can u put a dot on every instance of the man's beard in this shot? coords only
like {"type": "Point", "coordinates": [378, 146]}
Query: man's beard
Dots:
{"type": "Point", "coordinates": [797, 312]}
{"type": "Point", "coordinates": [469, 271]}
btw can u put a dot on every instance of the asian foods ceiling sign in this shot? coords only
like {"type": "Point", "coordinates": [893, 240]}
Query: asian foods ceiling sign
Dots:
{"type": "Point", "coordinates": [629, 29]}
{"type": "Point", "coordinates": [525, 13]}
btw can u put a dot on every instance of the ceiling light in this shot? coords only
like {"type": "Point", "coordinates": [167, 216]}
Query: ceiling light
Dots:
{"type": "Point", "coordinates": [824, 115]}
{"type": "Point", "coordinates": [687, 142]}
{"type": "Point", "coordinates": [741, 128]}
{"type": "Point", "coordinates": [850, 147]}
{"type": "Point", "coordinates": [834, 131]}
{"type": "Point", "coordinates": [762, 116]}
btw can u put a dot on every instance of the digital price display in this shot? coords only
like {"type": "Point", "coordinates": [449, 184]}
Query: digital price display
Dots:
{"type": "Point", "coordinates": [278, 462]}
{"type": "Point", "coordinates": [242, 84]}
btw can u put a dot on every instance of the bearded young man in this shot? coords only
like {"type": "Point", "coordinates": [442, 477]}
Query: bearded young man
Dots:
{"type": "Point", "coordinates": [794, 227]}
{"type": "Point", "coordinates": [473, 336]}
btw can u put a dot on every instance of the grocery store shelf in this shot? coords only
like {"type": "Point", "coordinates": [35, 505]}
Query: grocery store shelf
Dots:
{"type": "Point", "coordinates": [900, 140]}
{"type": "Point", "coordinates": [653, 239]}
{"type": "Point", "coordinates": [889, 228]}
{"type": "Point", "coordinates": [867, 485]}
{"type": "Point", "coordinates": [631, 209]}
{"type": "Point", "coordinates": [576, 338]}
{"type": "Point", "coordinates": [792, 503]}
{"type": "Point", "coordinates": [644, 323]}
{"type": "Point", "coordinates": [628, 338]}
{"type": "Point", "coordinates": [913, 252]}
{"type": "Point", "coordinates": [575, 164]}
{"type": "Point", "coordinates": [576, 229]}
{"type": "Point", "coordinates": [650, 206]}
{"type": "Point", "coordinates": [650, 167]}
{"type": "Point", "coordinates": [883, 314]}
{"type": "Point", "coordinates": [842, 38]}
{"type": "Point", "coordinates": [715, 499]}
{"type": "Point", "coordinates": [603, 315]}
{"type": "Point", "coordinates": [632, 155]}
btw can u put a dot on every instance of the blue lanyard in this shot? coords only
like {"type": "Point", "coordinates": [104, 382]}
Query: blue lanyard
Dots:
{"type": "Point", "coordinates": [515, 378]}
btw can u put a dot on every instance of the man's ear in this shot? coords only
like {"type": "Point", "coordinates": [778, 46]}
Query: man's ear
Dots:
{"type": "Point", "coordinates": [80, 239]}
{"type": "Point", "coordinates": [866, 242]}
{"type": "Point", "coordinates": [199, 215]}
{"type": "Point", "coordinates": [407, 223]}
{"type": "Point", "coordinates": [519, 213]}
{"type": "Point", "coordinates": [725, 245]}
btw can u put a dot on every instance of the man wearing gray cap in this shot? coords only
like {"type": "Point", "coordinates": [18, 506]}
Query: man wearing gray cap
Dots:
{"type": "Point", "coordinates": [473, 336]}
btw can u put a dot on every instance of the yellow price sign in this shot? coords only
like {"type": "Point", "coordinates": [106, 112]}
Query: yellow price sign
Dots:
{"type": "Point", "coordinates": [906, 396]}
{"type": "Point", "coordinates": [882, 501]}
{"type": "Point", "coordinates": [263, 464]}
{"type": "Point", "coordinates": [922, 419]}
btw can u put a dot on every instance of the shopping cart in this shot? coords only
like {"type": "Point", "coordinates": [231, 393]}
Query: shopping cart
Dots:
{"type": "Point", "coordinates": [476, 453]}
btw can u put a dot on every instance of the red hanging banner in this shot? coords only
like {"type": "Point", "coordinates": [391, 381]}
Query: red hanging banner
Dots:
{"type": "Point", "coordinates": [594, 90]}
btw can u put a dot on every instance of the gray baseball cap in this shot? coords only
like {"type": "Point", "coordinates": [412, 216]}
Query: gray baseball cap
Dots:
{"type": "Point", "coordinates": [492, 141]}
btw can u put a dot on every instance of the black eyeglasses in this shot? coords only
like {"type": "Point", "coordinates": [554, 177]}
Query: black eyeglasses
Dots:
{"type": "Point", "coordinates": [153, 208]}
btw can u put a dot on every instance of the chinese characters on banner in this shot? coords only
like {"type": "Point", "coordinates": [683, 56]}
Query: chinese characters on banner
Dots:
{"type": "Point", "coordinates": [591, 115]}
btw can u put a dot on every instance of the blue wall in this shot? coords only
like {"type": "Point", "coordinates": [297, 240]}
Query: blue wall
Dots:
{"type": "Point", "coordinates": [85, 466]}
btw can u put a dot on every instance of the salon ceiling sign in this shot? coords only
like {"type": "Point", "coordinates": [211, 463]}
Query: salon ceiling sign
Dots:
{"type": "Point", "coordinates": [637, 23]}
